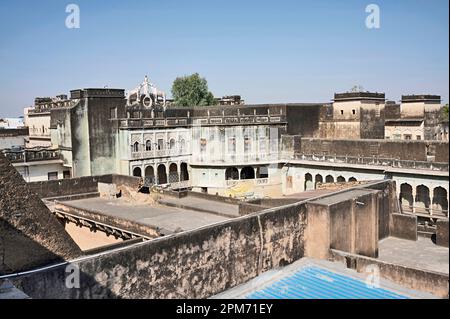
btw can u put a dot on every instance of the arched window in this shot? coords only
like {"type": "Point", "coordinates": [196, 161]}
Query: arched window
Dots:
{"type": "Point", "coordinates": [309, 185]}
{"type": "Point", "coordinates": [137, 172]}
{"type": "Point", "coordinates": [231, 173]}
{"type": "Point", "coordinates": [172, 144]}
{"type": "Point", "coordinates": [136, 147]}
{"type": "Point", "coordinates": [148, 145]}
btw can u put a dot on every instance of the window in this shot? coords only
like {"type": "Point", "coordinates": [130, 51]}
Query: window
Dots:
{"type": "Point", "coordinates": [407, 136]}
{"type": "Point", "coordinates": [172, 144]}
{"type": "Point", "coordinates": [66, 174]}
{"type": "Point", "coordinates": [52, 176]}
{"type": "Point", "coordinates": [160, 144]}
{"type": "Point", "coordinates": [148, 145]}
{"type": "Point", "coordinates": [113, 113]}
{"type": "Point", "coordinates": [418, 137]}
{"type": "Point", "coordinates": [136, 147]}
{"type": "Point", "coordinates": [202, 144]}
{"type": "Point", "coordinates": [232, 145]}
{"type": "Point", "coordinates": [247, 144]}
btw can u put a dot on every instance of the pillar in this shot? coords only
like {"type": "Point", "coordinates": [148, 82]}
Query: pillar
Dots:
{"type": "Point", "coordinates": [431, 192]}
{"type": "Point", "coordinates": [414, 189]}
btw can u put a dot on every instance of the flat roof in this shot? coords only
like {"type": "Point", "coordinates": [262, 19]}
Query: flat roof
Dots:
{"type": "Point", "coordinates": [166, 218]}
{"type": "Point", "coordinates": [342, 196]}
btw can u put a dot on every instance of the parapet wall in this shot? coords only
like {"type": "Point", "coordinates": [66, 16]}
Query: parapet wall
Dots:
{"type": "Point", "coordinates": [193, 264]}
{"type": "Point", "coordinates": [400, 150]}
{"type": "Point", "coordinates": [80, 185]}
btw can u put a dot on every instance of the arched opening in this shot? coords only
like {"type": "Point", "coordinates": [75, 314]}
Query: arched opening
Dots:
{"type": "Point", "coordinates": [231, 173]}
{"type": "Point", "coordinates": [352, 179]}
{"type": "Point", "coordinates": [329, 179]}
{"type": "Point", "coordinates": [136, 147]}
{"type": "Point", "coordinates": [262, 172]}
{"type": "Point", "coordinates": [340, 179]}
{"type": "Point", "coordinates": [318, 179]}
{"type": "Point", "coordinates": [406, 197]}
{"type": "Point", "coordinates": [162, 175]}
{"type": "Point", "coordinates": [148, 145]}
{"type": "Point", "coordinates": [440, 202]}
{"type": "Point", "coordinates": [172, 144]}
{"type": "Point", "coordinates": [137, 172]}
{"type": "Point", "coordinates": [248, 173]}
{"type": "Point", "coordinates": [182, 145]}
{"type": "Point", "coordinates": [184, 174]}
{"type": "Point", "coordinates": [422, 199]}
{"type": "Point", "coordinates": [308, 182]}
{"type": "Point", "coordinates": [149, 175]}
{"type": "Point", "coordinates": [173, 173]}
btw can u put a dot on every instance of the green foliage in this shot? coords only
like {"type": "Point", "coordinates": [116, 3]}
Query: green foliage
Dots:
{"type": "Point", "coordinates": [191, 90]}
{"type": "Point", "coordinates": [445, 112]}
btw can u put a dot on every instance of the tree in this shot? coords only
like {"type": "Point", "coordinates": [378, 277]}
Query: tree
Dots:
{"type": "Point", "coordinates": [445, 112]}
{"type": "Point", "coordinates": [191, 90]}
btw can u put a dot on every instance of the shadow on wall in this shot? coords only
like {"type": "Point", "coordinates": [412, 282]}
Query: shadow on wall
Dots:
{"type": "Point", "coordinates": [68, 275]}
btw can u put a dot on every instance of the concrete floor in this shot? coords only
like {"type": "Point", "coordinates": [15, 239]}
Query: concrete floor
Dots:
{"type": "Point", "coordinates": [164, 217]}
{"type": "Point", "coordinates": [422, 254]}
{"type": "Point", "coordinates": [201, 204]}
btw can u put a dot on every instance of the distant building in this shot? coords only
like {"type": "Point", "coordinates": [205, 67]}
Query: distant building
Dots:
{"type": "Point", "coordinates": [15, 137]}
{"type": "Point", "coordinates": [37, 118]}
{"type": "Point", "coordinates": [11, 122]}
{"type": "Point", "coordinates": [230, 100]}
{"type": "Point", "coordinates": [417, 117]}
{"type": "Point", "coordinates": [354, 115]}
{"type": "Point", "coordinates": [37, 164]}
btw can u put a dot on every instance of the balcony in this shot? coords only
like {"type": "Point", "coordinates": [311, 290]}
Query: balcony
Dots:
{"type": "Point", "coordinates": [158, 153]}
{"type": "Point", "coordinates": [30, 155]}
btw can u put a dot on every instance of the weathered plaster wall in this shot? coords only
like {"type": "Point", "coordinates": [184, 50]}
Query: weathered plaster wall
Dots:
{"type": "Point", "coordinates": [194, 264]}
{"type": "Point", "coordinates": [402, 150]}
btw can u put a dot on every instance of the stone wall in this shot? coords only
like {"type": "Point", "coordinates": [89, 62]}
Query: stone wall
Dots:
{"type": "Point", "coordinates": [418, 279]}
{"type": "Point", "coordinates": [193, 264]}
{"type": "Point", "coordinates": [30, 236]}
{"type": "Point", "coordinates": [81, 185]}
{"type": "Point", "coordinates": [401, 150]}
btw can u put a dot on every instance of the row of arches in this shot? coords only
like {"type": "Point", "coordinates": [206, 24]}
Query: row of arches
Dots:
{"type": "Point", "coordinates": [164, 174]}
{"type": "Point", "coordinates": [311, 183]}
{"type": "Point", "coordinates": [423, 200]}
{"type": "Point", "coordinates": [150, 146]}
{"type": "Point", "coordinates": [247, 172]}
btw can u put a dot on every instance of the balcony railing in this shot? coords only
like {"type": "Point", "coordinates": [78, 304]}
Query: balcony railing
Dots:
{"type": "Point", "coordinates": [376, 161]}
{"type": "Point", "coordinates": [31, 155]}
{"type": "Point", "coordinates": [212, 120]}
{"type": "Point", "coordinates": [158, 153]}
{"type": "Point", "coordinates": [235, 158]}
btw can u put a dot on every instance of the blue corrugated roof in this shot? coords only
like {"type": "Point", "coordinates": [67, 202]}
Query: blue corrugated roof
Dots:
{"type": "Point", "coordinates": [313, 282]}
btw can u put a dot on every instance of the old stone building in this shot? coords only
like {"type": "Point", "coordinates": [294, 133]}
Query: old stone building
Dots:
{"type": "Point", "coordinates": [354, 115]}
{"type": "Point", "coordinates": [37, 119]}
{"type": "Point", "coordinates": [417, 117]}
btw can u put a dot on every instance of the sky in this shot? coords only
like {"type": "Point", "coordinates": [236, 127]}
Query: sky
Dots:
{"type": "Point", "coordinates": [267, 51]}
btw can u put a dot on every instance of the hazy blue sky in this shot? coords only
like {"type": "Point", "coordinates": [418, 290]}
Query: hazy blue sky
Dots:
{"type": "Point", "coordinates": [267, 51]}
